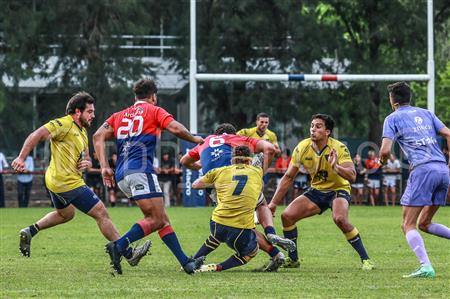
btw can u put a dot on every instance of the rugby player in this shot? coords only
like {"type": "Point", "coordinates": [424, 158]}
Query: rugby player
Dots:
{"type": "Point", "coordinates": [216, 152]}
{"type": "Point", "coordinates": [330, 166]}
{"type": "Point", "coordinates": [136, 130]}
{"type": "Point", "coordinates": [238, 187]}
{"type": "Point", "coordinates": [416, 131]}
{"type": "Point", "coordinates": [63, 178]}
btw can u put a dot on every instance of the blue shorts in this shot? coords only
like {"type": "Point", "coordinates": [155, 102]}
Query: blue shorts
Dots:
{"type": "Point", "coordinates": [241, 240]}
{"type": "Point", "coordinates": [83, 198]}
{"type": "Point", "coordinates": [140, 186]}
{"type": "Point", "coordinates": [324, 199]}
{"type": "Point", "coordinates": [427, 186]}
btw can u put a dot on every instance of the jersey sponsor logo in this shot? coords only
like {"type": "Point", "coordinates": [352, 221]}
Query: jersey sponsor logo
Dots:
{"type": "Point", "coordinates": [216, 153]}
{"type": "Point", "coordinates": [308, 158]}
{"type": "Point", "coordinates": [139, 187]}
{"type": "Point", "coordinates": [321, 175]}
{"type": "Point", "coordinates": [418, 120]}
{"type": "Point", "coordinates": [58, 122]}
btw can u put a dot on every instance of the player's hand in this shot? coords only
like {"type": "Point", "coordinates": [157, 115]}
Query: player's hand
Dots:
{"type": "Point", "coordinates": [18, 165]}
{"type": "Point", "coordinates": [108, 177]}
{"type": "Point", "coordinates": [198, 140]}
{"type": "Point", "coordinates": [332, 158]}
{"type": "Point", "coordinates": [272, 208]}
{"type": "Point", "coordinates": [84, 164]}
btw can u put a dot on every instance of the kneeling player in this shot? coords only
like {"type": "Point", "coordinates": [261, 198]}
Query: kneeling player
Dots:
{"type": "Point", "coordinates": [238, 187]}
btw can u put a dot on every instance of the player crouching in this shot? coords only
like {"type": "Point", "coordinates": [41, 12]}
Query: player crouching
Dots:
{"type": "Point", "coordinates": [238, 187]}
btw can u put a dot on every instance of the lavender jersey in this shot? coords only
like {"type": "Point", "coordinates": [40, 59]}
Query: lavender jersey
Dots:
{"type": "Point", "coordinates": [415, 129]}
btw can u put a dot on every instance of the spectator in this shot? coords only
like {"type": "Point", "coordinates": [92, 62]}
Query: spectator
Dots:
{"type": "Point", "coordinates": [112, 191]}
{"type": "Point", "coordinates": [178, 179]}
{"type": "Point", "coordinates": [24, 183]}
{"type": "Point", "coordinates": [3, 164]}
{"type": "Point", "coordinates": [94, 177]}
{"type": "Point", "coordinates": [282, 162]}
{"type": "Point", "coordinates": [391, 170]}
{"type": "Point", "coordinates": [358, 185]}
{"type": "Point", "coordinates": [167, 170]}
{"type": "Point", "coordinates": [373, 167]}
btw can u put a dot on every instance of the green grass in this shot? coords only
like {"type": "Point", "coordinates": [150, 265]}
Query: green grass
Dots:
{"type": "Point", "coordinates": [69, 261]}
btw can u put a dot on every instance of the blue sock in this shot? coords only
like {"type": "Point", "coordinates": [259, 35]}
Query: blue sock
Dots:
{"type": "Point", "coordinates": [169, 238]}
{"type": "Point", "coordinates": [128, 253]}
{"type": "Point", "coordinates": [274, 251]}
{"type": "Point", "coordinates": [269, 230]}
{"type": "Point", "coordinates": [209, 246]}
{"type": "Point", "coordinates": [292, 235]}
{"type": "Point", "coordinates": [34, 229]}
{"type": "Point", "coordinates": [233, 261]}
{"type": "Point", "coordinates": [134, 234]}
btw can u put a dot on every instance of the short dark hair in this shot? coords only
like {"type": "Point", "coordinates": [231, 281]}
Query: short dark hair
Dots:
{"type": "Point", "coordinates": [328, 120]}
{"type": "Point", "coordinates": [242, 154]}
{"type": "Point", "coordinates": [225, 128]}
{"type": "Point", "coordinates": [262, 114]}
{"type": "Point", "coordinates": [145, 88]}
{"type": "Point", "coordinates": [400, 92]}
{"type": "Point", "coordinates": [79, 101]}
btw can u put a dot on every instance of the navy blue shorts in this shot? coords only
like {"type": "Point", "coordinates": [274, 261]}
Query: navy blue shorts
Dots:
{"type": "Point", "coordinates": [83, 198]}
{"type": "Point", "coordinates": [324, 199]}
{"type": "Point", "coordinates": [241, 240]}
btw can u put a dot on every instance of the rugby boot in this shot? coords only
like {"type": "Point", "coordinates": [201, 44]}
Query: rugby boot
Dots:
{"type": "Point", "coordinates": [422, 272]}
{"type": "Point", "coordinates": [25, 241]}
{"type": "Point", "coordinates": [115, 257]}
{"type": "Point", "coordinates": [284, 243]}
{"type": "Point", "coordinates": [138, 253]}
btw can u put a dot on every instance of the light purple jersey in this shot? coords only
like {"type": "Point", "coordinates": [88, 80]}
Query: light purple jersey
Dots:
{"type": "Point", "coordinates": [416, 130]}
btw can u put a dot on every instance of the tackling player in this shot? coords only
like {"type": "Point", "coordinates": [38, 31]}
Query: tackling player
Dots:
{"type": "Point", "coordinates": [416, 131]}
{"type": "Point", "coordinates": [330, 166]}
{"type": "Point", "coordinates": [136, 130]}
{"type": "Point", "coordinates": [69, 157]}
{"type": "Point", "coordinates": [238, 187]}
{"type": "Point", "coordinates": [217, 152]}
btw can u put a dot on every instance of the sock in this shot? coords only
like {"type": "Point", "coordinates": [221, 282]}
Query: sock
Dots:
{"type": "Point", "coordinates": [269, 230]}
{"type": "Point", "coordinates": [273, 251]}
{"type": "Point", "coordinates": [34, 229]}
{"type": "Point", "coordinates": [439, 230]}
{"type": "Point", "coordinates": [415, 241]}
{"type": "Point", "coordinates": [291, 233]}
{"type": "Point", "coordinates": [128, 253]}
{"type": "Point", "coordinates": [135, 233]}
{"type": "Point", "coordinates": [231, 262]}
{"type": "Point", "coordinates": [209, 246]}
{"type": "Point", "coordinates": [354, 239]}
{"type": "Point", "coordinates": [169, 238]}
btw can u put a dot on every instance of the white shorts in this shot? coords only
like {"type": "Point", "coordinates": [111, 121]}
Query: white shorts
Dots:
{"type": "Point", "coordinates": [140, 185]}
{"type": "Point", "coordinates": [389, 181]}
{"type": "Point", "coordinates": [358, 186]}
{"type": "Point", "coordinates": [374, 184]}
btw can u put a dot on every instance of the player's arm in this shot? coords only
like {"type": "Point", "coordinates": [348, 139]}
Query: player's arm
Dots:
{"type": "Point", "coordinates": [180, 131]}
{"type": "Point", "coordinates": [268, 149]}
{"type": "Point", "coordinates": [190, 162]}
{"type": "Point", "coordinates": [385, 151]}
{"type": "Point", "coordinates": [86, 163]}
{"type": "Point", "coordinates": [105, 132]}
{"type": "Point", "coordinates": [30, 143]}
{"type": "Point", "coordinates": [285, 183]}
{"type": "Point", "coordinates": [345, 169]}
{"type": "Point", "coordinates": [201, 184]}
{"type": "Point", "coordinates": [445, 132]}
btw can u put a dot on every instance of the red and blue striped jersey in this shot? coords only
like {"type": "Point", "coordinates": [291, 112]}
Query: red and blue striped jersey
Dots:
{"type": "Point", "coordinates": [217, 150]}
{"type": "Point", "coordinates": [137, 129]}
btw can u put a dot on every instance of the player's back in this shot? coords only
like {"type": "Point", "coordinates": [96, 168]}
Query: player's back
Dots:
{"type": "Point", "coordinates": [137, 129]}
{"type": "Point", "coordinates": [416, 131]}
{"type": "Point", "coordinates": [238, 187]}
{"type": "Point", "coordinates": [217, 150]}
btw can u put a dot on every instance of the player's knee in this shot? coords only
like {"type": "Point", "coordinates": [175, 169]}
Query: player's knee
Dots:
{"type": "Point", "coordinates": [286, 219]}
{"type": "Point", "coordinates": [67, 215]}
{"type": "Point", "coordinates": [159, 223]}
{"type": "Point", "coordinates": [340, 220]}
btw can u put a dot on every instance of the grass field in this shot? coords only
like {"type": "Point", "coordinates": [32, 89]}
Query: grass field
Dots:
{"type": "Point", "coordinates": [69, 261]}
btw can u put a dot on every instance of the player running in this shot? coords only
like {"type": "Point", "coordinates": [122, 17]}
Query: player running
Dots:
{"type": "Point", "coordinates": [329, 164]}
{"type": "Point", "coordinates": [238, 187]}
{"type": "Point", "coordinates": [136, 130]}
{"type": "Point", "coordinates": [69, 157]}
{"type": "Point", "coordinates": [416, 131]}
{"type": "Point", "coordinates": [217, 152]}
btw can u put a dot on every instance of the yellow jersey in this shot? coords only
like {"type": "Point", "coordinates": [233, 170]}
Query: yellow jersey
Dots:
{"type": "Point", "coordinates": [238, 187]}
{"type": "Point", "coordinates": [67, 144]}
{"type": "Point", "coordinates": [252, 132]}
{"type": "Point", "coordinates": [324, 178]}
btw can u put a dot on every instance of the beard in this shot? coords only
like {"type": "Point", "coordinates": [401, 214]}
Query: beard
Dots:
{"type": "Point", "coordinates": [84, 122]}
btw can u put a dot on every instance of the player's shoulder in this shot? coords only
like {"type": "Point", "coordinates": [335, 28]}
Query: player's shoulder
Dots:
{"type": "Point", "coordinates": [246, 131]}
{"type": "Point", "coordinates": [303, 144]}
{"type": "Point", "coordinates": [336, 143]}
{"type": "Point", "coordinates": [271, 133]}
